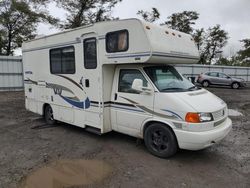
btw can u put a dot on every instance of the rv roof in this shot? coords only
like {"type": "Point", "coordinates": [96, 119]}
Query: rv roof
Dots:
{"type": "Point", "coordinates": [81, 27]}
{"type": "Point", "coordinates": [147, 42]}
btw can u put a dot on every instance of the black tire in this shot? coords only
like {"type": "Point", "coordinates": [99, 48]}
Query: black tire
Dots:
{"type": "Point", "coordinates": [205, 83]}
{"type": "Point", "coordinates": [48, 115]}
{"type": "Point", "coordinates": [235, 85]}
{"type": "Point", "coordinates": [160, 140]}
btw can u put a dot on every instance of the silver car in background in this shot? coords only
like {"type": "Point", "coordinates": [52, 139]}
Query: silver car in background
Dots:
{"type": "Point", "coordinates": [218, 78]}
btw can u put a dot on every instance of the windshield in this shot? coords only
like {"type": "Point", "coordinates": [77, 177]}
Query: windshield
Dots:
{"type": "Point", "coordinates": [167, 79]}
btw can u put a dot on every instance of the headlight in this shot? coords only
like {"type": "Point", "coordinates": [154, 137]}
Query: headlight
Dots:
{"type": "Point", "coordinates": [198, 117]}
{"type": "Point", "coordinates": [204, 117]}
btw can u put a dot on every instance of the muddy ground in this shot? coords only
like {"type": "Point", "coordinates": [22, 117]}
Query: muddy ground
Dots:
{"type": "Point", "coordinates": [27, 144]}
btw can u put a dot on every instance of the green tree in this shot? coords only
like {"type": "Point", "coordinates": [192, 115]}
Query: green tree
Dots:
{"type": "Point", "coordinates": [214, 39]}
{"type": "Point", "coordinates": [182, 21]}
{"type": "Point", "coordinates": [18, 22]}
{"type": "Point", "coordinates": [199, 35]}
{"type": "Point", "coordinates": [244, 54]}
{"type": "Point", "coordinates": [82, 12]}
{"type": "Point", "coordinates": [149, 16]}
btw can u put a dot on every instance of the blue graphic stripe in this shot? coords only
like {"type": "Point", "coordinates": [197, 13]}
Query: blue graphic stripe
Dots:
{"type": "Point", "coordinates": [176, 115]}
{"type": "Point", "coordinates": [124, 108]}
{"type": "Point", "coordinates": [79, 104]}
{"type": "Point", "coordinates": [140, 54]}
{"type": "Point", "coordinates": [174, 56]}
{"type": "Point", "coordinates": [159, 54]}
{"type": "Point", "coordinates": [136, 110]}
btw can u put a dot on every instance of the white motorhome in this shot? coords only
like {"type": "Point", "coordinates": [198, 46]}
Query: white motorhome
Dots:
{"type": "Point", "coordinates": [117, 75]}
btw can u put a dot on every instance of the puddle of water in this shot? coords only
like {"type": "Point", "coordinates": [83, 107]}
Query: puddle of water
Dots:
{"type": "Point", "coordinates": [67, 173]}
{"type": "Point", "coordinates": [232, 112]}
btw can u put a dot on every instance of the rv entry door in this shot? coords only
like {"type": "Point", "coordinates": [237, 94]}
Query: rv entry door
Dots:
{"type": "Point", "coordinates": [90, 80]}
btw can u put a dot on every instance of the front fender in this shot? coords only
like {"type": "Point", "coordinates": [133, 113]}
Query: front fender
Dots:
{"type": "Point", "coordinates": [164, 121]}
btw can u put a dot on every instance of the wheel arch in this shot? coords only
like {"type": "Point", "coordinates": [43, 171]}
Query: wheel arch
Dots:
{"type": "Point", "coordinates": [233, 82]}
{"type": "Point", "coordinates": [147, 123]}
{"type": "Point", "coordinates": [206, 80]}
{"type": "Point", "coordinates": [165, 123]}
{"type": "Point", "coordinates": [43, 109]}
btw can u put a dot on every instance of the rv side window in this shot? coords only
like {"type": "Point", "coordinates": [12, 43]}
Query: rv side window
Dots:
{"type": "Point", "coordinates": [62, 60]}
{"type": "Point", "coordinates": [126, 78]}
{"type": "Point", "coordinates": [90, 57]}
{"type": "Point", "coordinates": [117, 41]}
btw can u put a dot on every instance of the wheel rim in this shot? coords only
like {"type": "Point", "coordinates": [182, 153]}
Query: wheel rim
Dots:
{"type": "Point", "coordinates": [159, 141]}
{"type": "Point", "coordinates": [235, 85]}
{"type": "Point", "coordinates": [205, 84]}
{"type": "Point", "coordinates": [50, 114]}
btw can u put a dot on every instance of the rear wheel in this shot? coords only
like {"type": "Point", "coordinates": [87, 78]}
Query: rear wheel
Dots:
{"type": "Point", "coordinates": [235, 85]}
{"type": "Point", "coordinates": [160, 140]}
{"type": "Point", "coordinates": [48, 114]}
{"type": "Point", "coordinates": [205, 83]}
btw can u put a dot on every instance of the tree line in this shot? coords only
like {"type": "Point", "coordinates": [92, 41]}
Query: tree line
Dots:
{"type": "Point", "coordinates": [19, 20]}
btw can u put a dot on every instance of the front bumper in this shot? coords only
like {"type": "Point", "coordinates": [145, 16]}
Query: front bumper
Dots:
{"type": "Point", "coordinates": [243, 84]}
{"type": "Point", "coordinates": [200, 140]}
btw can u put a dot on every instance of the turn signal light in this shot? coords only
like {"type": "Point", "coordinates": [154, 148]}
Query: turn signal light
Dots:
{"type": "Point", "coordinates": [192, 117]}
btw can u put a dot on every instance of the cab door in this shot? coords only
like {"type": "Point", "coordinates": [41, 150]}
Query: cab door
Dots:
{"type": "Point", "coordinates": [130, 108]}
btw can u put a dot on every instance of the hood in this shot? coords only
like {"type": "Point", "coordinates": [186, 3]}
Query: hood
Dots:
{"type": "Point", "coordinates": [202, 100]}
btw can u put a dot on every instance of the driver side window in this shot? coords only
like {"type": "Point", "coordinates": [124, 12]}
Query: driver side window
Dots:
{"type": "Point", "coordinates": [126, 78]}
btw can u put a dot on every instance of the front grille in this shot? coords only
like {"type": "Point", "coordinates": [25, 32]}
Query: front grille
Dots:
{"type": "Point", "coordinates": [218, 114]}
{"type": "Point", "coordinates": [219, 122]}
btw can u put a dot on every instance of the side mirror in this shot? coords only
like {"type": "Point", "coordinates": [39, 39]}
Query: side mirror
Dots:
{"type": "Point", "coordinates": [138, 86]}
{"type": "Point", "coordinates": [228, 77]}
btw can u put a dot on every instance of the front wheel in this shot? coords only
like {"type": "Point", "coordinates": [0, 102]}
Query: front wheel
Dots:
{"type": "Point", "coordinates": [160, 140]}
{"type": "Point", "coordinates": [235, 85]}
{"type": "Point", "coordinates": [48, 115]}
{"type": "Point", "coordinates": [205, 83]}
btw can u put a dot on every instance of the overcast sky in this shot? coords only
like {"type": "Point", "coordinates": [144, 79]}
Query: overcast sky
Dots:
{"type": "Point", "coordinates": [232, 15]}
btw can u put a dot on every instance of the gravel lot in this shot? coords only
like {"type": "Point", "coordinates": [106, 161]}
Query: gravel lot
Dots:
{"type": "Point", "coordinates": [27, 144]}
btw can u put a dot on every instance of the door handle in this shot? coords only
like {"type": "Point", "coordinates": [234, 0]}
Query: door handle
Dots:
{"type": "Point", "coordinates": [115, 98]}
{"type": "Point", "coordinates": [86, 82]}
